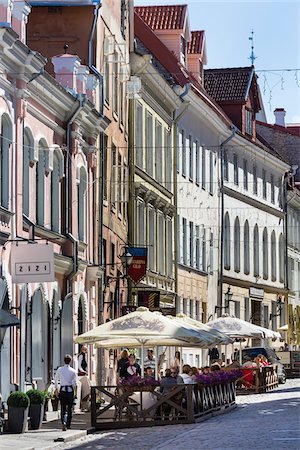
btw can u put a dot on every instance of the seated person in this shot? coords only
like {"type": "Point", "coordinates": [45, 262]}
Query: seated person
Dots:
{"type": "Point", "coordinates": [249, 362]}
{"type": "Point", "coordinates": [234, 365]}
{"type": "Point", "coordinates": [175, 374]}
{"type": "Point", "coordinates": [185, 375]}
{"type": "Point", "coordinates": [215, 366]}
{"type": "Point", "coordinates": [205, 370]}
{"type": "Point", "coordinates": [131, 368]}
{"type": "Point", "coordinates": [167, 382]}
{"type": "Point", "coordinates": [193, 372]}
{"type": "Point", "coordinates": [149, 372]}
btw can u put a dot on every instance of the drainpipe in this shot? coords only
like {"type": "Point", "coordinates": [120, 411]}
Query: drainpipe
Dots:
{"type": "Point", "coordinates": [221, 264]}
{"type": "Point", "coordinates": [175, 125]}
{"type": "Point", "coordinates": [68, 191]}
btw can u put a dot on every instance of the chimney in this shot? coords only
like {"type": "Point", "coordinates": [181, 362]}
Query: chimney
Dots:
{"type": "Point", "coordinates": [66, 70]}
{"type": "Point", "coordinates": [20, 14]}
{"type": "Point", "coordinates": [5, 12]}
{"type": "Point", "coordinates": [279, 116]}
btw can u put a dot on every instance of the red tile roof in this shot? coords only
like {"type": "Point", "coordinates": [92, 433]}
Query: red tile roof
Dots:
{"type": "Point", "coordinates": [228, 85]}
{"type": "Point", "coordinates": [290, 129]}
{"type": "Point", "coordinates": [163, 17]}
{"type": "Point", "coordinates": [196, 43]}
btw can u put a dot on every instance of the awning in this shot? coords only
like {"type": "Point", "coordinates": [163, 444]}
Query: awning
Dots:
{"type": "Point", "coordinates": [8, 320]}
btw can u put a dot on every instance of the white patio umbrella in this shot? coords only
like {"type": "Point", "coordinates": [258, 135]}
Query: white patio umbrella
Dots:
{"type": "Point", "coordinates": [144, 328]}
{"type": "Point", "coordinates": [284, 327]}
{"type": "Point", "coordinates": [236, 328]}
{"type": "Point", "coordinates": [270, 334]}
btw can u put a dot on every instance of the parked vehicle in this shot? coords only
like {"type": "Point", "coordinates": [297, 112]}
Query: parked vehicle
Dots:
{"type": "Point", "coordinates": [270, 355]}
{"type": "Point", "coordinates": [291, 362]}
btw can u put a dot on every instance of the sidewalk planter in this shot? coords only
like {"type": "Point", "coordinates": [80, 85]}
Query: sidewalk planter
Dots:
{"type": "Point", "coordinates": [18, 407]}
{"type": "Point", "coordinates": [36, 408]}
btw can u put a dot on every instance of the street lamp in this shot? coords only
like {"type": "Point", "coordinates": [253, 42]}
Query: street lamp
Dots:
{"type": "Point", "coordinates": [228, 297]}
{"type": "Point", "coordinates": [126, 259]}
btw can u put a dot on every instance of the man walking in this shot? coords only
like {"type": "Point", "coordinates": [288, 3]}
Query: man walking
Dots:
{"type": "Point", "coordinates": [67, 378]}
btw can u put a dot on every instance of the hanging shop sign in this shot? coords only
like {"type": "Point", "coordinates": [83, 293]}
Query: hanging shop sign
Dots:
{"type": "Point", "coordinates": [32, 263]}
{"type": "Point", "coordinates": [256, 292]}
{"type": "Point", "coordinates": [138, 267]}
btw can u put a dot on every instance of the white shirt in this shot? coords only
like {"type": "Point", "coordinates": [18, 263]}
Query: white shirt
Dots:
{"type": "Point", "coordinates": [66, 376]}
{"type": "Point", "coordinates": [149, 363]}
{"type": "Point", "coordinates": [187, 379]}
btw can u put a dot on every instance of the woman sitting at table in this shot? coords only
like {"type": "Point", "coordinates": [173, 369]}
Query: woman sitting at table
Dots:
{"type": "Point", "coordinates": [131, 368]}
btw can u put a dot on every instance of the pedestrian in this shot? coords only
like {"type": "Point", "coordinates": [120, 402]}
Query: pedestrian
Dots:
{"type": "Point", "coordinates": [122, 362]}
{"type": "Point", "coordinates": [66, 376]}
{"type": "Point", "coordinates": [131, 368]}
{"type": "Point", "coordinates": [82, 362]}
{"type": "Point", "coordinates": [213, 353]}
{"type": "Point", "coordinates": [150, 360]}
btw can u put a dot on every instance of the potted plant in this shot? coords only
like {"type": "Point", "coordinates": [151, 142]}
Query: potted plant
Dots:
{"type": "Point", "coordinates": [36, 408]}
{"type": "Point", "coordinates": [18, 406]}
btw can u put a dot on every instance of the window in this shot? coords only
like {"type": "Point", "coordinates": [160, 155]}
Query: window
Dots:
{"type": "Point", "coordinates": [182, 51]}
{"type": "Point", "coordinates": [169, 258]}
{"type": "Point", "coordinates": [198, 263]}
{"type": "Point", "coordinates": [245, 175]}
{"type": "Point", "coordinates": [249, 122]}
{"type": "Point", "coordinates": [237, 245]}
{"type": "Point", "coordinates": [256, 251]}
{"type": "Point", "coordinates": [106, 79]}
{"type": "Point", "coordinates": [141, 222]}
{"type": "Point", "coordinates": [254, 180]}
{"type": "Point", "coordinates": [246, 249]}
{"type": "Point", "coordinates": [264, 183]}
{"type": "Point", "coordinates": [115, 84]}
{"type": "Point", "coordinates": [280, 192]}
{"type": "Point", "coordinates": [158, 151]}
{"type": "Point", "coordinates": [203, 168]}
{"type": "Point", "coordinates": [139, 157]}
{"type": "Point", "coordinates": [104, 254]}
{"type": "Point", "coordinates": [197, 310]}
{"type": "Point", "coordinates": [178, 141]}
{"type": "Point", "coordinates": [247, 309]}
{"type": "Point", "coordinates": [225, 168]}
{"type": "Point", "coordinates": [204, 268]}
{"type": "Point", "coordinates": [265, 255]}
{"type": "Point", "coordinates": [40, 183]}
{"type": "Point", "coordinates": [168, 161]}
{"type": "Point", "coordinates": [197, 163]}
{"type": "Point", "coordinates": [123, 18]}
{"type": "Point", "coordinates": [227, 242]}
{"type": "Point", "coordinates": [281, 258]}
{"type": "Point", "coordinates": [211, 254]}
{"type": "Point", "coordinates": [183, 148]}
{"type": "Point", "coordinates": [272, 189]}
{"type": "Point", "coordinates": [161, 244]}
{"type": "Point", "coordinates": [149, 144]}
{"type": "Point", "coordinates": [120, 183]}
{"type": "Point", "coordinates": [151, 239]}
{"type": "Point", "coordinates": [185, 300]}
{"type": "Point", "coordinates": [274, 316]}
{"type": "Point", "coordinates": [237, 309]}
{"type": "Point", "coordinates": [56, 176]}
{"type": "Point", "coordinates": [125, 190]}
{"type": "Point", "coordinates": [81, 202]}
{"type": "Point", "coordinates": [235, 170]}
{"type": "Point", "coordinates": [191, 244]}
{"type": "Point", "coordinates": [266, 316]}
{"type": "Point", "coordinates": [191, 159]}
{"type": "Point", "coordinates": [28, 143]}
{"type": "Point", "coordinates": [105, 166]}
{"type": "Point", "coordinates": [113, 178]}
{"type": "Point", "coordinates": [178, 239]}
{"type": "Point", "coordinates": [5, 150]}
{"type": "Point", "coordinates": [184, 237]}
{"type": "Point", "coordinates": [211, 173]}
{"type": "Point", "coordinates": [273, 256]}
{"type": "Point", "coordinates": [112, 255]}
{"type": "Point", "coordinates": [191, 308]}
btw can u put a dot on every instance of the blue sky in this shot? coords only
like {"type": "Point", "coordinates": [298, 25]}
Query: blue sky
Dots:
{"type": "Point", "coordinates": [276, 26]}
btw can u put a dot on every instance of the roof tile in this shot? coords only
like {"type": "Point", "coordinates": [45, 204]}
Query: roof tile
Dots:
{"type": "Point", "coordinates": [196, 43]}
{"type": "Point", "coordinates": [164, 17]}
{"type": "Point", "coordinates": [228, 85]}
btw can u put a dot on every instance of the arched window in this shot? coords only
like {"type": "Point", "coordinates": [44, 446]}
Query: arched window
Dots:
{"type": "Point", "coordinates": [273, 256]}
{"type": "Point", "coordinates": [227, 242]}
{"type": "Point", "coordinates": [237, 245]}
{"type": "Point", "coordinates": [281, 258]}
{"type": "Point", "coordinates": [246, 249]}
{"type": "Point", "coordinates": [40, 183]}
{"type": "Point", "coordinates": [81, 197]}
{"type": "Point", "coordinates": [28, 145]}
{"type": "Point", "coordinates": [56, 176]}
{"type": "Point", "coordinates": [5, 145]}
{"type": "Point", "coordinates": [265, 255]}
{"type": "Point", "coordinates": [256, 252]}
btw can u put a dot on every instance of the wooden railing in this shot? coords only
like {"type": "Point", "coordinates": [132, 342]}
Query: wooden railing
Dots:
{"type": "Point", "coordinates": [257, 379]}
{"type": "Point", "coordinates": [118, 407]}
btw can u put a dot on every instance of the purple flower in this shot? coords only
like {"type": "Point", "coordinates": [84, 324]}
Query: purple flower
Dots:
{"type": "Point", "coordinates": [218, 377]}
{"type": "Point", "coordinates": [139, 381]}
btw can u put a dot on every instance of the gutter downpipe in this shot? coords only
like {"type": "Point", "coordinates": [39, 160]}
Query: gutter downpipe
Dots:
{"type": "Point", "coordinates": [175, 125]}
{"type": "Point", "coordinates": [221, 264]}
{"type": "Point", "coordinates": [91, 56]}
{"type": "Point", "coordinates": [68, 194]}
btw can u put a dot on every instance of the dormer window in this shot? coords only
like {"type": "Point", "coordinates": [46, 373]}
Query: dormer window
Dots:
{"type": "Point", "coordinates": [182, 51]}
{"type": "Point", "coordinates": [249, 122]}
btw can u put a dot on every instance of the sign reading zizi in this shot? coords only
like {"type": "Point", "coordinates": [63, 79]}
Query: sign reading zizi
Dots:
{"type": "Point", "coordinates": [32, 263]}
{"type": "Point", "coordinates": [138, 267]}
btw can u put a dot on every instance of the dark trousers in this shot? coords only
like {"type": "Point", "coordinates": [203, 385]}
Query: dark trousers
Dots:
{"type": "Point", "coordinates": [66, 404]}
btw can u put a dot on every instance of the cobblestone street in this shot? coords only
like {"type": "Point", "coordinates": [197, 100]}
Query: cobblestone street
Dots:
{"type": "Point", "coordinates": [266, 421]}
